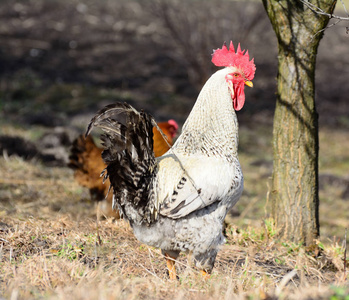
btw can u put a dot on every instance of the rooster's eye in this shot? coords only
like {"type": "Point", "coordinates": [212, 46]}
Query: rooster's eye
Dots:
{"type": "Point", "coordinates": [236, 74]}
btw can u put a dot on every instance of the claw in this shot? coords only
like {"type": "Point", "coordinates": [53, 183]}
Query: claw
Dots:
{"type": "Point", "coordinates": [205, 275]}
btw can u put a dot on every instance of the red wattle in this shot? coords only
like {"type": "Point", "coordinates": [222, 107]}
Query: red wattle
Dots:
{"type": "Point", "coordinates": [239, 96]}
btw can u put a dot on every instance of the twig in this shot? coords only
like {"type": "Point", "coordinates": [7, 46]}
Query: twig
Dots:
{"type": "Point", "coordinates": [329, 26]}
{"type": "Point", "coordinates": [284, 281]}
{"type": "Point", "coordinates": [2, 246]}
{"type": "Point", "coordinates": [179, 263]}
{"type": "Point", "coordinates": [345, 252]}
{"type": "Point", "coordinates": [14, 294]}
{"type": "Point", "coordinates": [151, 273]}
{"type": "Point", "coordinates": [248, 207]}
{"type": "Point", "coordinates": [345, 9]}
{"type": "Point", "coordinates": [150, 259]}
{"type": "Point", "coordinates": [99, 240]}
{"type": "Point", "coordinates": [268, 198]}
{"type": "Point", "coordinates": [47, 279]}
{"type": "Point", "coordinates": [319, 11]}
{"type": "Point", "coordinates": [5, 155]}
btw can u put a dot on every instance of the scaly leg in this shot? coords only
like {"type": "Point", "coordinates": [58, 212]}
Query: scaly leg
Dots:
{"type": "Point", "coordinates": [170, 261]}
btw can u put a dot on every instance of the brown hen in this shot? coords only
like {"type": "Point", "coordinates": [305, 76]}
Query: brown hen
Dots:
{"type": "Point", "coordinates": [86, 161]}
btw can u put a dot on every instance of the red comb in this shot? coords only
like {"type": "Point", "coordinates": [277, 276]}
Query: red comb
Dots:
{"type": "Point", "coordinates": [225, 58]}
{"type": "Point", "coordinates": [173, 123]}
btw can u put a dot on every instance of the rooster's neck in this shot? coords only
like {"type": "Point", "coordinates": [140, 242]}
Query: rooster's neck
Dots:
{"type": "Point", "coordinates": [212, 126]}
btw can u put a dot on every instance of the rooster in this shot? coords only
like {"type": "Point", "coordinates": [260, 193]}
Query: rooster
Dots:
{"type": "Point", "coordinates": [177, 202]}
{"type": "Point", "coordinates": [86, 161]}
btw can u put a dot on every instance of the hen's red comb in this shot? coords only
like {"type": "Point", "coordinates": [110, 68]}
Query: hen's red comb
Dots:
{"type": "Point", "coordinates": [225, 58]}
{"type": "Point", "coordinates": [173, 123]}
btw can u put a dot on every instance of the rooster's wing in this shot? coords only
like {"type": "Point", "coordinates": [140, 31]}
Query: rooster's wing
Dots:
{"type": "Point", "coordinates": [186, 184]}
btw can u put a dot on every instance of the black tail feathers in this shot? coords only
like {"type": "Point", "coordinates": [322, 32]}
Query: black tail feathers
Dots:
{"type": "Point", "coordinates": [128, 153]}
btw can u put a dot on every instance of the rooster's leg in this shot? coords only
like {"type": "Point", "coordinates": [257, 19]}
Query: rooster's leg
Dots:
{"type": "Point", "coordinates": [170, 261]}
{"type": "Point", "coordinates": [204, 274]}
{"type": "Point", "coordinates": [171, 256]}
{"type": "Point", "coordinates": [205, 261]}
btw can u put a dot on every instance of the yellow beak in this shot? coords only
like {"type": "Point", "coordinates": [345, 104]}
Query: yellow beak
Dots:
{"type": "Point", "coordinates": [249, 83]}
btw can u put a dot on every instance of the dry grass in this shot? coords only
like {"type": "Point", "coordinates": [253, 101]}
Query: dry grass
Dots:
{"type": "Point", "coordinates": [60, 258]}
{"type": "Point", "coordinates": [49, 247]}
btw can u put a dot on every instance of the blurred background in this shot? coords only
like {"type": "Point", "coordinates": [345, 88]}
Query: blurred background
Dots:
{"type": "Point", "coordinates": [61, 61]}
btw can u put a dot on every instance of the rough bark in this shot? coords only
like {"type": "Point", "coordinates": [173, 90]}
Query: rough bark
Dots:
{"type": "Point", "coordinates": [294, 191]}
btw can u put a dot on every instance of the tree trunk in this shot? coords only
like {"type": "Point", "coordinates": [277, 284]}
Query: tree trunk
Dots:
{"type": "Point", "coordinates": [294, 191]}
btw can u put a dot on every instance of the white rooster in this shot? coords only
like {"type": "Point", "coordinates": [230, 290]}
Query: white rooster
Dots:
{"type": "Point", "coordinates": [177, 202]}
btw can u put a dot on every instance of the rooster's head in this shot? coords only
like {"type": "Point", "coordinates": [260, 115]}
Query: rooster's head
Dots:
{"type": "Point", "coordinates": [241, 73]}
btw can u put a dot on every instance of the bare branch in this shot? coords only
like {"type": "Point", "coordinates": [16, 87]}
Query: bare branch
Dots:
{"type": "Point", "coordinates": [345, 252]}
{"type": "Point", "coordinates": [319, 11]}
{"type": "Point", "coordinates": [345, 9]}
{"type": "Point", "coordinates": [329, 26]}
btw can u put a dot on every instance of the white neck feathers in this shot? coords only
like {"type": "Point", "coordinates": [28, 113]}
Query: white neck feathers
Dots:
{"type": "Point", "coordinates": [212, 126]}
